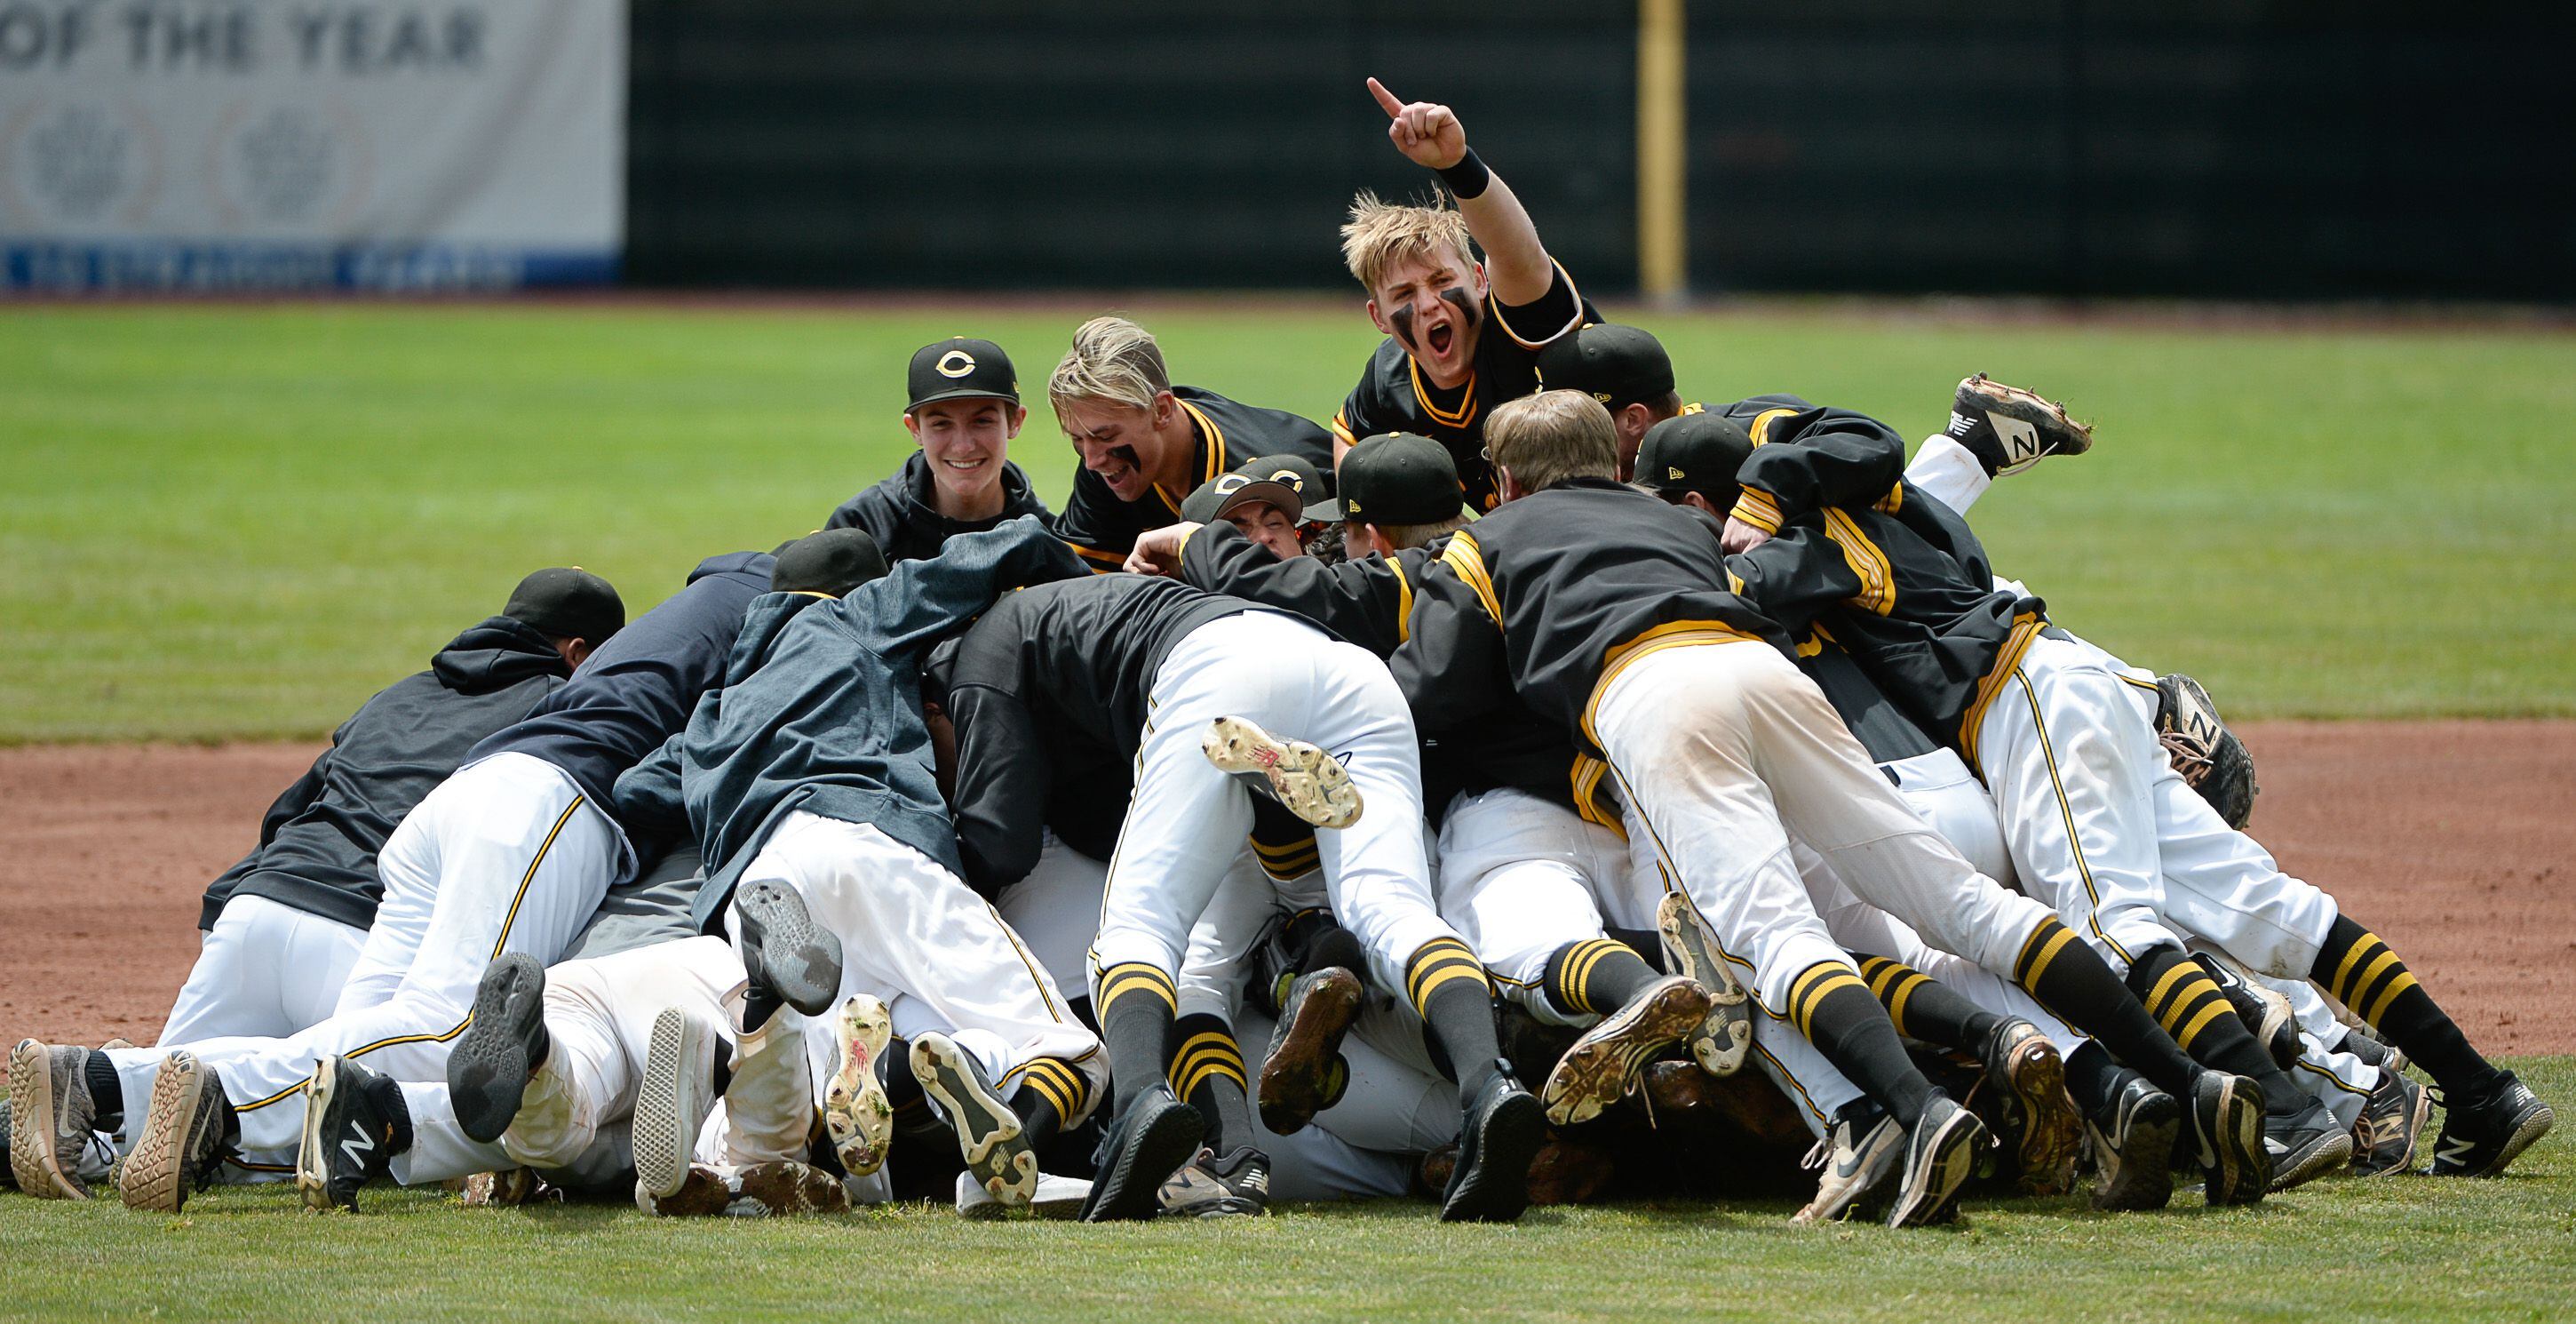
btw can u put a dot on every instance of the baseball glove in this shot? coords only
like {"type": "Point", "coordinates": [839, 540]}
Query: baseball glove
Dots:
{"type": "Point", "coordinates": [2208, 755]}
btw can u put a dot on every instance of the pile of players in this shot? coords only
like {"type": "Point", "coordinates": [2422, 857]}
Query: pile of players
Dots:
{"type": "Point", "coordinates": [1529, 727]}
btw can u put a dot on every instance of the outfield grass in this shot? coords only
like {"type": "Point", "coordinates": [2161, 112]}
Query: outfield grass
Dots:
{"type": "Point", "coordinates": [2381, 1249]}
{"type": "Point", "coordinates": [238, 521]}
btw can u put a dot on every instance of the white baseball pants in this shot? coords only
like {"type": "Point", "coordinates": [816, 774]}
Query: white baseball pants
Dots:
{"type": "Point", "coordinates": [266, 969]}
{"type": "Point", "coordinates": [1520, 877]}
{"type": "Point", "coordinates": [599, 1022]}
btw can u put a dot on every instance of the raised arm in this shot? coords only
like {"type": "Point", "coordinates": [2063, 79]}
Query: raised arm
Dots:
{"type": "Point", "coordinates": [1429, 135]}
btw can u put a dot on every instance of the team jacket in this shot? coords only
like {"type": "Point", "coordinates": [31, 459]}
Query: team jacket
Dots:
{"type": "Point", "coordinates": [317, 846]}
{"type": "Point", "coordinates": [821, 710]}
{"type": "Point", "coordinates": [1103, 528]}
{"type": "Point", "coordinates": [1394, 396]}
{"type": "Point", "coordinates": [640, 686]}
{"type": "Point", "coordinates": [901, 512]}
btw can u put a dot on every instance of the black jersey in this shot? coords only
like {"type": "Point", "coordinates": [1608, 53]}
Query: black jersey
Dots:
{"type": "Point", "coordinates": [902, 512]}
{"type": "Point", "coordinates": [1103, 528]}
{"type": "Point", "coordinates": [1394, 396]}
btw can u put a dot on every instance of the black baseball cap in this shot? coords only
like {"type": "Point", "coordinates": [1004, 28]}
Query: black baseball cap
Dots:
{"type": "Point", "coordinates": [960, 369]}
{"type": "Point", "coordinates": [1400, 478]}
{"type": "Point", "coordinates": [830, 563]}
{"type": "Point", "coordinates": [567, 602]}
{"type": "Point", "coordinates": [1694, 453]}
{"type": "Point", "coordinates": [1616, 365]}
{"type": "Point", "coordinates": [1284, 481]}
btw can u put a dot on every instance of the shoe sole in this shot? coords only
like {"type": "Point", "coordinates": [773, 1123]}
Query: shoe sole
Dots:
{"type": "Point", "coordinates": [671, 1104]}
{"type": "Point", "coordinates": [1296, 1072]}
{"type": "Point", "coordinates": [855, 1109]}
{"type": "Point", "coordinates": [1928, 1189]}
{"type": "Point", "coordinates": [2241, 1173]}
{"type": "Point", "coordinates": [487, 1073]}
{"type": "Point", "coordinates": [988, 1132]}
{"type": "Point", "coordinates": [2051, 1132]}
{"type": "Point", "coordinates": [2145, 1177]}
{"type": "Point", "coordinates": [1310, 783]}
{"type": "Point", "coordinates": [1603, 1064]}
{"type": "Point", "coordinates": [1876, 1171]}
{"type": "Point", "coordinates": [312, 1175]}
{"type": "Point", "coordinates": [32, 1160]}
{"type": "Point", "coordinates": [155, 1177]}
{"type": "Point", "coordinates": [1130, 1190]}
{"type": "Point", "coordinates": [1725, 1036]}
{"type": "Point", "coordinates": [1496, 1188]}
{"type": "Point", "coordinates": [2331, 1153]}
{"type": "Point", "coordinates": [2058, 433]}
{"type": "Point", "coordinates": [796, 960]}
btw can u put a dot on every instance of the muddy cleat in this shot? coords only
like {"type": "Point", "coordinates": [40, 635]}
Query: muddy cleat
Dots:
{"type": "Point", "coordinates": [1602, 1066]}
{"type": "Point", "coordinates": [988, 1132]}
{"type": "Point", "coordinates": [1235, 1186]}
{"type": "Point", "coordinates": [1501, 1135]}
{"type": "Point", "coordinates": [1057, 1197]}
{"type": "Point", "coordinates": [355, 1121]}
{"type": "Point", "coordinates": [785, 1189]}
{"type": "Point", "coordinates": [786, 954]}
{"type": "Point", "coordinates": [51, 1117]}
{"type": "Point", "coordinates": [702, 1190]}
{"type": "Point", "coordinates": [2025, 1066]}
{"type": "Point", "coordinates": [507, 1189]}
{"type": "Point", "coordinates": [1303, 1073]}
{"type": "Point", "coordinates": [2009, 429]}
{"type": "Point", "coordinates": [2390, 1126]}
{"type": "Point", "coordinates": [2133, 1148]}
{"type": "Point", "coordinates": [2225, 1132]}
{"type": "Point", "coordinates": [2306, 1145]}
{"type": "Point", "coordinates": [1940, 1155]}
{"type": "Point", "coordinates": [1147, 1143]}
{"type": "Point", "coordinates": [1309, 782]}
{"type": "Point", "coordinates": [671, 1106]}
{"type": "Point", "coordinates": [855, 1109]}
{"type": "Point", "coordinates": [185, 1135]}
{"type": "Point", "coordinates": [1725, 1035]}
{"type": "Point", "coordinates": [2481, 1136]}
{"type": "Point", "coordinates": [1573, 1169]}
{"type": "Point", "coordinates": [502, 1047]}
{"type": "Point", "coordinates": [1856, 1163]}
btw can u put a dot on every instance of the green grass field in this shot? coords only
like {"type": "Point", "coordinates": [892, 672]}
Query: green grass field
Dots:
{"type": "Point", "coordinates": [239, 521]}
{"type": "Point", "coordinates": [2388, 1248]}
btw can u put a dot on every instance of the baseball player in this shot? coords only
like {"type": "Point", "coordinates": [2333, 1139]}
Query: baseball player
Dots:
{"type": "Point", "coordinates": [1462, 336]}
{"type": "Point", "coordinates": [963, 413]}
{"type": "Point", "coordinates": [1146, 443]}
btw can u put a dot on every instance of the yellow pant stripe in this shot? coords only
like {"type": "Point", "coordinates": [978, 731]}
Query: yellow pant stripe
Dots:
{"type": "Point", "coordinates": [531, 875]}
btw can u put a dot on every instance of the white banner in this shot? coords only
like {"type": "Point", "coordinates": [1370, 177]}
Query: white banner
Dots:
{"type": "Point", "coordinates": [251, 145]}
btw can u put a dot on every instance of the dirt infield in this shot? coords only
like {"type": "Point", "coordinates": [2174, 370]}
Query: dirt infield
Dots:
{"type": "Point", "coordinates": [2453, 840]}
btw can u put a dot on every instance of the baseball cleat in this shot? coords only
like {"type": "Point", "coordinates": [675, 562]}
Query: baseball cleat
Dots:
{"type": "Point", "coordinates": [2226, 1129]}
{"type": "Point", "coordinates": [1501, 1134]}
{"type": "Point", "coordinates": [1310, 783]}
{"type": "Point", "coordinates": [186, 1132]}
{"type": "Point", "coordinates": [1602, 1065]}
{"type": "Point", "coordinates": [2009, 429]}
{"type": "Point", "coordinates": [1235, 1186]}
{"type": "Point", "coordinates": [2391, 1125]}
{"type": "Point", "coordinates": [503, 1046]}
{"type": "Point", "coordinates": [2361, 1043]}
{"type": "Point", "coordinates": [1854, 1163]}
{"type": "Point", "coordinates": [2025, 1066]}
{"type": "Point", "coordinates": [1725, 1035]}
{"type": "Point", "coordinates": [784, 1188]}
{"type": "Point", "coordinates": [1940, 1155]}
{"type": "Point", "coordinates": [354, 1123]}
{"type": "Point", "coordinates": [1147, 1143]}
{"type": "Point", "coordinates": [2481, 1136]}
{"type": "Point", "coordinates": [2265, 1010]}
{"type": "Point", "coordinates": [51, 1116]}
{"type": "Point", "coordinates": [1057, 1197]}
{"type": "Point", "coordinates": [2133, 1148]}
{"type": "Point", "coordinates": [988, 1132]}
{"type": "Point", "coordinates": [506, 1189]}
{"type": "Point", "coordinates": [787, 955]}
{"type": "Point", "coordinates": [672, 1101]}
{"type": "Point", "coordinates": [702, 1190]}
{"type": "Point", "coordinates": [855, 1109]}
{"type": "Point", "coordinates": [1303, 1072]}
{"type": "Point", "coordinates": [2306, 1145]}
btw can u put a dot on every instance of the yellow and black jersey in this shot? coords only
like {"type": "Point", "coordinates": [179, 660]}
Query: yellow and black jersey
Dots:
{"type": "Point", "coordinates": [1394, 396]}
{"type": "Point", "coordinates": [1103, 528]}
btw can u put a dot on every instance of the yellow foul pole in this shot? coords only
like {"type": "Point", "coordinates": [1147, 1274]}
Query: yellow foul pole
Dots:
{"type": "Point", "coordinates": [1663, 175]}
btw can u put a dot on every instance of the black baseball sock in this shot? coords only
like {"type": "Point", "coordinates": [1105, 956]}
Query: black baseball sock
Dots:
{"type": "Point", "coordinates": [1644, 942]}
{"type": "Point", "coordinates": [911, 1107]}
{"type": "Point", "coordinates": [1922, 1008]}
{"type": "Point", "coordinates": [1448, 986]}
{"type": "Point", "coordinates": [2366, 977]}
{"type": "Point", "coordinates": [1594, 977]}
{"type": "Point", "coordinates": [1137, 1004]}
{"type": "Point", "coordinates": [1051, 1090]}
{"type": "Point", "coordinates": [2093, 1079]}
{"type": "Point", "coordinates": [1207, 1070]}
{"type": "Point", "coordinates": [2070, 980]}
{"type": "Point", "coordinates": [1830, 1005]}
{"type": "Point", "coordinates": [2183, 997]}
{"type": "Point", "coordinates": [106, 1092]}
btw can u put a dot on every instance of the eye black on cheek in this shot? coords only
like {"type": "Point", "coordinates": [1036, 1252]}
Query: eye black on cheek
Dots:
{"type": "Point", "coordinates": [1403, 321]}
{"type": "Point", "coordinates": [1458, 298]}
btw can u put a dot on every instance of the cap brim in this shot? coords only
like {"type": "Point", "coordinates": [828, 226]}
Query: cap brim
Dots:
{"type": "Point", "coordinates": [1326, 512]}
{"type": "Point", "coordinates": [961, 393]}
{"type": "Point", "coordinates": [1278, 495]}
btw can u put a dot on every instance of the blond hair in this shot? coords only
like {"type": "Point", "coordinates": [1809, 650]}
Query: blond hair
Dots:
{"type": "Point", "coordinates": [1112, 359]}
{"type": "Point", "coordinates": [1552, 437]}
{"type": "Point", "coordinates": [1381, 234]}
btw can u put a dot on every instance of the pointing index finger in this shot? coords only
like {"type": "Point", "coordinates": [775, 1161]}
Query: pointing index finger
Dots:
{"type": "Point", "coordinates": [1386, 100]}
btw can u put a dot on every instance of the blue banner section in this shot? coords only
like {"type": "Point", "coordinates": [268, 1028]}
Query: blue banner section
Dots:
{"type": "Point", "coordinates": [239, 268]}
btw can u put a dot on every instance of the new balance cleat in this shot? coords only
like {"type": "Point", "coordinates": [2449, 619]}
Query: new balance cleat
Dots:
{"type": "Point", "coordinates": [51, 1117]}
{"type": "Point", "coordinates": [2391, 1125]}
{"type": "Point", "coordinates": [1234, 1186]}
{"type": "Point", "coordinates": [2025, 1066]}
{"type": "Point", "coordinates": [2133, 1148]}
{"type": "Point", "coordinates": [1501, 1135]}
{"type": "Point", "coordinates": [1856, 1165]}
{"type": "Point", "coordinates": [1147, 1142]}
{"type": "Point", "coordinates": [2482, 1136]}
{"type": "Point", "coordinates": [787, 955]}
{"type": "Point", "coordinates": [2226, 1137]}
{"type": "Point", "coordinates": [1725, 1034]}
{"type": "Point", "coordinates": [1602, 1066]}
{"type": "Point", "coordinates": [186, 1132]}
{"type": "Point", "coordinates": [672, 1101]}
{"type": "Point", "coordinates": [855, 1109]}
{"type": "Point", "coordinates": [1307, 781]}
{"type": "Point", "coordinates": [502, 1047]}
{"type": "Point", "coordinates": [355, 1121]}
{"type": "Point", "coordinates": [988, 1132]}
{"type": "Point", "coordinates": [1303, 1072]}
{"type": "Point", "coordinates": [1940, 1155]}
{"type": "Point", "coordinates": [2009, 429]}
{"type": "Point", "coordinates": [2306, 1145]}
